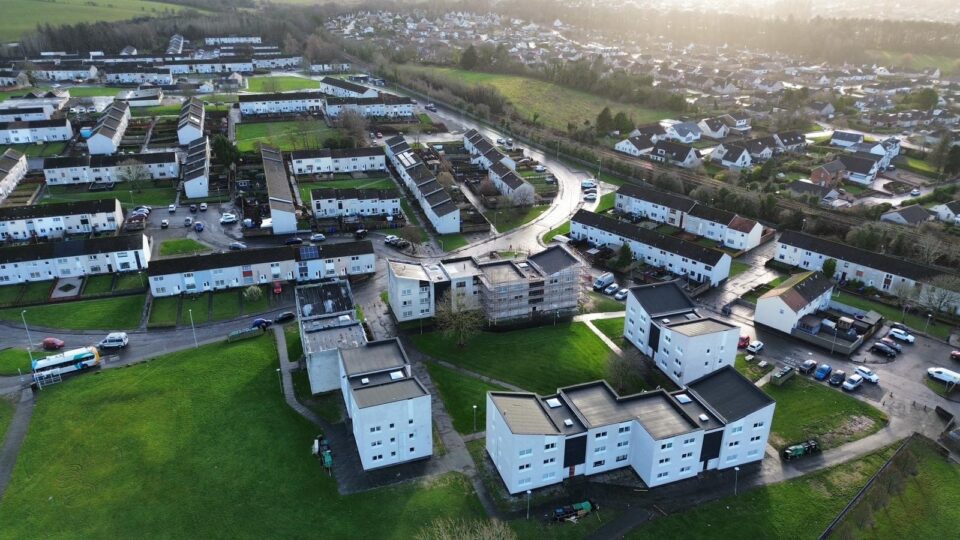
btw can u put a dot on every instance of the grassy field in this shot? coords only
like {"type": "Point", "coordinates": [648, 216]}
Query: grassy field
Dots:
{"type": "Point", "coordinates": [290, 135]}
{"type": "Point", "coordinates": [284, 83]}
{"type": "Point", "coordinates": [118, 313]}
{"type": "Point", "coordinates": [563, 230]}
{"type": "Point", "coordinates": [13, 359]}
{"type": "Point", "coordinates": [555, 105]}
{"type": "Point", "coordinates": [37, 291]}
{"type": "Point", "coordinates": [37, 150]}
{"type": "Point", "coordinates": [799, 508]}
{"type": "Point", "coordinates": [928, 505]}
{"type": "Point", "coordinates": [185, 445]}
{"type": "Point", "coordinates": [160, 110]}
{"type": "Point", "coordinates": [893, 314]}
{"type": "Point", "coordinates": [811, 410]}
{"type": "Point", "coordinates": [163, 311]}
{"type": "Point", "coordinates": [460, 393]}
{"type": "Point", "coordinates": [612, 328]}
{"type": "Point", "coordinates": [198, 308]}
{"type": "Point", "coordinates": [945, 64]}
{"type": "Point", "coordinates": [452, 241]}
{"type": "Point", "coordinates": [182, 246]}
{"type": "Point", "coordinates": [585, 357]}
{"type": "Point", "coordinates": [21, 16]}
{"type": "Point", "coordinates": [101, 284]}
{"type": "Point", "coordinates": [511, 218]}
{"type": "Point", "coordinates": [918, 166]}
{"type": "Point", "coordinates": [130, 280]}
{"type": "Point", "coordinates": [152, 196]}
{"type": "Point", "coordinates": [226, 305]}
{"type": "Point", "coordinates": [360, 183]}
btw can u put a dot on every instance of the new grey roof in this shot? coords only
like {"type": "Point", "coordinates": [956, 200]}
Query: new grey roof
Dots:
{"type": "Point", "coordinates": [376, 356]}
{"type": "Point", "coordinates": [280, 96]}
{"type": "Point", "coordinates": [523, 413]}
{"type": "Point", "coordinates": [700, 327]}
{"type": "Point", "coordinates": [847, 136]}
{"type": "Point", "coordinates": [729, 394]}
{"type": "Point", "coordinates": [552, 260]}
{"type": "Point", "coordinates": [388, 392]}
{"type": "Point", "coordinates": [913, 214]}
{"type": "Point", "coordinates": [9, 160]}
{"type": "Point", "coordinates": [346, 85]}
{"type": "Point", "coordinates": [662, 299]}
{"type": "Point", "coordinates": [656, 411]}
{"type": "Point", "coordinates": [858, 163]}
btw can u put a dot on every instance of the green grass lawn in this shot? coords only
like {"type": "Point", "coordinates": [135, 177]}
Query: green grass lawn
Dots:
{"type": "Point", "coordinates": [361, 183]}
{"type": "Point", "coordinates": [918, 166]}
{"type": "Point", "coordinates": [131, 280]}
{"type": "Point", "coordinates": [460, 393]}
{"type": "Point", "coordinates": [117, 313]}
{"type": "Point", "coordinates": [750, 370]}
{"type": "Point", "coordinates": [894, 314]}
{"type": "Point", "coordinates": [6, 415]}
{"type": "Point", "coordinates": [737, 268]}
{"type": "Point", "coordinates": [226, 305]}
{"type": "Point", "coordinates": [328, 405]}
{"type": "Point", "coordinates": [184, 445]}
{"type": "Point", "coordinates": [563, 229]}
{"type": "Point", "coordinates": [556, 105]}
{"type": "Point", "coordinates": [601, 303]}
{"type": "Point", "coordinates": [152, 196]}
{"type": "Point", "coordinates": [510, 218]}
{"type": "Point", "coordinates": [812, 410]}
{"type": "Point", "coordinates": [200, 307]}
{"type": "Point", "coordinates": [612, 328]}
{"type": "Point", "coordinates": [9, 294]}
{"type": "Point", "coordinates": [452, 241]}
{"type": "Point", "coordinates": [606, 202]}
{"type": "Point", "coordinates": [753, 294]}
{"type": "Point", "coordinates": [799, 508]}
{"type": "Point", "coordinates": [940, 388]}
{"type": "Point", "coordinates": [160, 110]}
{"type": "Point", "coordinates": [163, 311]}
{"type": "Point", "coordinates": [928, 505]}
{"type": "Point", "coordinates": [182, 246]}
{"type": "Point", "coordinates": [13, 359]}
{"type": "Point", "coordinates": [289, 135]}
{"type": "Point", "coordinates": [101, 284]}
{"type": "Point", "coordinates": [283, 83]}
{"type": "Point", "coordinates": [37, 291]}
{"type": "Point", "coordinates": [37, 150]}
{"type": "Point", "coordinates": [259, 305]}
{"type": "Point", "coordinates": [22, 16]}
{"type": "Point", "coordinates": [584, 356]}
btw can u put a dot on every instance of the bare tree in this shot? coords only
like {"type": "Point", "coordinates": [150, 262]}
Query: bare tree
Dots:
{"type": "Point", "coordinates": [906, 295]}
{"type": "Point", "coordinates": [456, 321]}
{"type": "Point", "coordinates": [621, 371]}
{"type": "Point", "coordinates": [134, 173]}
{"type": "Point", "coordinates": [522, 197]}
{"type": "Point", "coordinates": [458, 529]}
{"type": "Point", "coordinates": [928, 248]}
{"type": "Point", "coordinates": [354, 125]}
{"type": "Point", "coordinates": [941, 294]}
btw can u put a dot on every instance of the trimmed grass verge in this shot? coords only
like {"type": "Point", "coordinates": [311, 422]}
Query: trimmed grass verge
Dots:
{"type": "Point", "coordinates": [226, 305]}
{"type": "Point", "coordinates": [281, 83]}
{"type": "Point", "coordinates": [182, 246]}
{"type": "Point", "coordinates": [563, 229]}
{"type": "Point", "coordinates": [118, 313]}
{"type": "Point", "coordinates": [601, 303]}
{"type": "Point", "coordinates": [511, 218]}
{"type": "Point", "coordinates": [101, 284]}
{"type": "Point", "coordinates": [288, 135]}
{"type": "Point", "coordinates": [453, 241]}
{"type": "Point", "coordinates": [13, 359]}
{"type": "Point", "coordinates": [612, 328]}
{"type": "Point", "coordinates": [163, 311]}
{"type": "Point", "coordinates": [460, 393]}
{"type": "Point", "coordinates": [750, 370]}
{"type": "Point", "coordinates": [197, 307]}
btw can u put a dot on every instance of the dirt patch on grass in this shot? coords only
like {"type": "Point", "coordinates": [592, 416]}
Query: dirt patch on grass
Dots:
{"type": "Point", "coordinates": [851, 429]}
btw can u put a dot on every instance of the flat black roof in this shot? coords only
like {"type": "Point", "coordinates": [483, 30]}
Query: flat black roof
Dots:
{"type": "Point", "coordinates": [729, 394]}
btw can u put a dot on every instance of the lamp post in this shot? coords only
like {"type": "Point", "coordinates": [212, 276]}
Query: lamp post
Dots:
{"type": "Point", "coordinates": [599, 164]}
{"type": "Point", "coordinates": [528, 503]}
{"type": "Point", "coordinates": [834, 344]}
{"type": "Point", "coordinates": [196, 344]}
{"type": "Point", "coordinates": [280, 378]}
{"type": "Point", "coordinates": [474, 418]}
{"type": "Point", "coordinates": [23, 317]}
{"type": "Point", "coordinates": [736, 479]}
{"type": "Point", "coordinates": [929, 316]}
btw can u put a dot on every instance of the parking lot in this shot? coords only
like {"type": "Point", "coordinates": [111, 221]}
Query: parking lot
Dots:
{"type": "Point", "coordinates": [214, 234]}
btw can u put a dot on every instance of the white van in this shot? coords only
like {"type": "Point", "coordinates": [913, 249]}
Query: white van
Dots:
{"type": "Point", "coordinates": [944, 375]}
{"type": "Point", "coordinates": [114, 340]}
{"type": "Point", "coordinates": [603, 281]}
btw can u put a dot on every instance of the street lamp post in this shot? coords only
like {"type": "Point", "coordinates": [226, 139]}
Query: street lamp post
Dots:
{"type": "Point", "coordinates": [528, 503]}
{"type": "Point", "coordinates": [23, 317]}
{"type": "Point", "coordinates": [599, 165]}
{"type": "Point", "coordinates": [929, 316]}
{"type": "Point", "coordinates": [474, 418]}
{"type": "Point", "coordinates": [196, 344]}
{"type": "Point", "coordinates": [280, 378]}
{"type": "Point", "coordinates": [834, 344]}
{"type": "Point", "coordinates": [736, 479]}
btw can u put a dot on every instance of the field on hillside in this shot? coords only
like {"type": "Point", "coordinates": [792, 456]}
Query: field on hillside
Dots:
{"type": "Point", "coordinates": [20, 16]}
{"type": "Point", "coordinates": [945, 64]}
{"type": "Point", "coordinates": [555, 104]}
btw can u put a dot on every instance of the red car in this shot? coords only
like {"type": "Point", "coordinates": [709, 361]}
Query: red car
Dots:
{"type": "Point", "coordinates": [744, 341]}
{"type": "Point", "coordinates": [52, 344]}
{"type": "Point", "coordinates": [955, 355]}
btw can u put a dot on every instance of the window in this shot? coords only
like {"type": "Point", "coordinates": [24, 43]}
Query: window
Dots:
{"type": "Point", "coordinates": [755, 438]}
{"type": "Point", "coordinates": [663, 475]}
{"type": "Point", "coordinates": [376, 443]}
{"type": "Point", "coordinates": [377, 457]}
{"type": "Point", "coordinates": [550, 475]}
{"type": "Point", "coordinates": [600, 435]}
{"type": "Point", "coordinates": [391, 426]}
{"type": "Point", "coordinates": [374, 429]}
{"type": "Point", "coordinates": [732, 444]}
{"type": "Point", "coordinates": [731, 457]}
{"type": "Point", "coordinates": [548, 461]}
{"type": "Point", "coordinates": [689, 441]}
{"type": "Point", "coordinates": [599, 463]}
{"type": "Point", "coordinates": [664, 461]}
{"type": "Point", "coordinates": [410, 436]}
{"type": "Point", "coordinates": [599, 449]}
{"type": "Point", "coordinates": [684, 469]}
{"type": "Point", "coordinates": [758, 424]}
{"type": "Point", "coordinates": [524, 467]}
{"type": "Point", "coordinates": [524, 481]}
{"type": "Point", "coordinates": [736, 429]}
{"type": "Point", "coordinates": [550, 446]}
{"type": "Point", "coordinates": [412, 449]}
{"type": "Point", "coordinates": [686, 455]}
{"type": "Point", "coordinates": [621, 444]}
{"type": "Point", "coordinates": [410, 421]}
{"type": "Point", "coordinates": [624, 429]}
{"type": "Point", "coordinates": [665, 446]}
{"type": "Point", "coordinates": [621, 458]}
{"type": "Point", "coordinates": [526, 452]}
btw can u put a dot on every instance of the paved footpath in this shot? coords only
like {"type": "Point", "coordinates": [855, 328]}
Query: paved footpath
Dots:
{"type": "Point", "coordinates": [14, 438]}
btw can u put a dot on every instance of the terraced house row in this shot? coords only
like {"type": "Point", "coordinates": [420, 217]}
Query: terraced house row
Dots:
{"type": "Point", "coordinates": [433, 198]}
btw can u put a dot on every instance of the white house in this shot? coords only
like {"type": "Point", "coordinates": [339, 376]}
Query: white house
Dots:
{"type": "Point", "coordinates": [142, 97]}
{"type": "Point", "coordinates": [64, 72]}
{"type": "Point", "coordinates": [382, 106]}
{"type": "Point", "coordinates": [283, 211]}
{"type": "Point", "coordinates": [738, 122]}
{"type": "Point", "coordinates": [948, 212]}
{"type": "Point", "coordinates": [109, 130]}
{"type": "Point", "coordinates": [59, 219]}
{"type": "Point", "coordinates": [334, 67]}
{"type": "Point", "coordinates": [511, 184]}
{"type": "Point", "coordinates": [196, 169]}
{"type": "Point", "coordinates": [109, 169]}
{"type": "Point", "coordinates": [411, 289]}
{"type": "Point", "coordinates": [335, 202]}
{"type": "Point", "coordinates": [844, 139]}
{"type": "Point", "coordinates": [328, 321]}
{"type": "Point", "coordinates": [663, 323]}
{"type": "Point", "coordinates": [33, 131]}
{"type": "Point", "coordinates": [912, 215]}
{"type": "Point", "coordinates": [218, 65]}
{"type": "Point", "coordinates": [683, 132]}
{"type": "Point", "coordinates": [861, 168]}
{"type": "Point", "coordinates": [715, 128]}
{"type": "Point", "coordinates": [190, 123]}
{"type": "Point", "coordinates": [326, 160]}
{"type": "Point", "coordinates": [782, 307]}
{"type": "Point", "coordinates": [436, 203]}
{"type": "Point", "coordinates": [635, 146]}
{"type": "Point", "coordinates": [123, 74]}
{"type": "Point", "coordinates": [718, 422]}
{"type": "Point", "coordinates": [732, 156]}
{"type": "Point", "coordinates": [346, 89]}
{"type": "Point", "coordinates": [682, 258]}
{"type": "Point", "coordinates": [677, 154]}
{"type": "Point", "coordinates": [13, 167]}
{"type": "Point", "coordinates": [74, 258]}
{"type": "Point", "coordinates": [24, 114]}
{"type": "Point", "coordinates": [232, 40]}
{"type": "Point", "coordinates": [649, 203]}
{"type": "Point", "coordinates": [281, 103]}
{"type": "Point", "coordinates": [55, 99]}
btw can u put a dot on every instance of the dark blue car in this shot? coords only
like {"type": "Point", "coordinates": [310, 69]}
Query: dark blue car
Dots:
{"type": "Point", "coordinates": [822, 372]}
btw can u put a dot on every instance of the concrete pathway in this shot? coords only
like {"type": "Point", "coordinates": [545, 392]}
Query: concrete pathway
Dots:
{"type": "Point", "coordinates": [603, 337]}
{"type": "Point", "coordinates": [484, 378]}
{"type": "Point", "coordinates": [16, 433]}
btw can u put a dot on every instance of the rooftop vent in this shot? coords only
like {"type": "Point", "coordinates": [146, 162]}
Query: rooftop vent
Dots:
{"type": "Point", "coordinates": [364, 381]}
{"type": "Point", "coordinates": [683, 398]}
{"type": "Point", "coordinates": [553, 403]}
{"type": "Point", "coordinates": [395, 375]}
{"type": "Point", "coordinates": [704, 418]}
{"type": "Point", "coordinates": [523, 265]}
{"type": "Point", "coordinates": [568, 422]}
{"type": "Point", "coordinates": [665, 321]}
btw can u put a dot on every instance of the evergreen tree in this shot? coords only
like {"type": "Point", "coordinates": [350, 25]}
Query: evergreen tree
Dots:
{"type": "Point", "coordinates": [468, 60]}
{"type": "Point", "coordinates": [605, 121]}
{"type": "Point", "coordinates": [941, 152]}
{"type": "Point", "coordinates": [622, 123]}
{"type": "Point", "coordinates": [952, 165]}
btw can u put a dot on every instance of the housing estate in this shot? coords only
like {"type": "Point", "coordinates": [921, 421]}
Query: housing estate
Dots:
{"type": "Point", "coordinates": [109, 169]}
{"type": "Point", "coordinates": [24, 114]}
{"type": "Point", "coordinates": [785, 306]}
{"type": "Point", "coordinates": [345, 89]}
{"type": "Point", "coordinates": [34, 131]}
{"type": "Point", "coordinates": [190, 123]}
{"type": "Point", "coordinates": [74, 258]}
{"type": "Point", "coordinates": [501, 169]}
{"type": "Point", "coordinates": [13, 167]}
{"type": "Point", "coordinates": [281, 103]}
{"type": "Point", "coordinates": [110, 128]}
{"type": "Point", "coordinates": [196, 169]}
{"type": "Point", "coordinates": [336, 202]}
{"type": "Point", "coordinates": [58, 220]}
{"type": "Point", "coordinates": [381, 106]}
{"type": "Point", "coordinates": [124, 74]}
{"type": "Point", "coordinates": [433, 198]}
{"type": "Point", "coordinates": [327, 160]}
{"type": "Point", "coordinates": [329, 325]}
{"type": "Point", "coordinates": [280, 196]}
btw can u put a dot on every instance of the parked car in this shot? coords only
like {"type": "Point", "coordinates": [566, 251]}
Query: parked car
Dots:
{"type": "Point", "coordinates": [391, 239]}
{"type": "Point", "coordinates": [360, 234]}
{"type": "Point", "coordinates": [955, 355]}
{"type": "Point", "coordinates": [902, 335]}
{"type": "Point", "coordinates": [262, 324]}
{"type": "Point", "coordinates": [944, 375]}
{"type": "Point", "coordinates": [500, 140]}
{"type": "Point", "coordinates": [755, 347]}
{"type": "Point", "coordinates": [293, 241]}
{"type": "Point", "coordinates": [193, 209]}
{"type": "Point", "coordinates": [603, 280]}
{"type": "Point", "coordinates": [852, 383]}
{"type": "Point", "coordinates": [883, 350]}
{"type": "Point", "coordinates": [284, 317]}
{"type": "Point", "coordinates": [588, 184]}
{"type": "Point", "coordinates": [899, 326]}
{"type": "Point", "coordinates": [317, 237]}
{"type": "Point", "coordinates": [172, 208]}
{"type": "Point", "coordinates": [198, 226]}
{"type": "Point", "coordinates": [837, 377]}
{"type": "Point", "coordinates": [379, 135]}
{"type": "Point", "coordinates": [808, 367]}
{"type": "Point", "coordinates": [430, 107]}
{"type": "Point", "coordinates": [228, 218]}
{"type": "Point", "coordinates": [590, 191]}
{"type": "Point", "coordinates": [203, 207]}
{"type": "Point", "coordinates": [892, 344]}
{"type": "Point", "coordinates": [590, 197]}
{"type": "Point", "coordinates": [237, 246]}
{"type": "Point", "coordinates": [914, 192]}
{"type": "Point", "coordinates": [868, 374]}
{"type": "Point", "coordinates": [52, 344]}
{"type": "Point", "coordinates": [540, 169]}
{"type": "Point", "coordinates": [164, 223]}
{"type": "Point", "coordinates": [611, 289]}
{"type": "Point", "coordinates": [822, 372]}
{"type": "Point", "coordinates": [744, 342]}
{"type": "Point", "coordinates": [621, 294]}
{"type": "Point", "coordinates": [402, 244]}
{"type": "Point", "coordinates": [187, 221]}
{"type": "Point", "coordinates": [114, 340]}
{"type": "Point", "coordinates": [146, 209]}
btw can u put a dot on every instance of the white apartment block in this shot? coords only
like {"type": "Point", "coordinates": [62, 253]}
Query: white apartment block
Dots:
{"type": "Point", "coordinates": [717, 422]}
{"type": "Point", "coordinates": [389, 410]}
{"type": "Point", "coordinates": [231, 40]}
{"type": "Point", "coordinates": [678, 256]}
{"type": "Point", "coordinates": [34, 131]}
{"type": "Point", "coordinates": [109, 169]}
{"type": "Point", "coordinates": [59, 219]}
{"type": "Point", "coordinates": [55, 99]}
{"type": "Point", "coordinates": [159, 76]}
{"type": "Point", "coordinates": [345, 89]}
{"type": "Point", "coordinates": [276, 61]}
{"type": "Point", "coordinates": [64, 72]}
{"type": "Point", "coordinates": [281, 103]}
{"type": "Point", "coordinates": [436, 203]}
{"type": "Point", "coordinates": [382, 106]}
{"type": "Point", "coordinates": [280, 193]}
{"type": "Point", "coordinates": [109, 130]}
{"type": "Point", "coordinates": [13, 167]}
{"type": "Point", "coordinates": [73, 258]}
{"type": "Point", "coordinates": [25, 114]}
{"type": "Point", "coordinates": [190, 123]}
{"type": "Point", "coordinates": [326, 160]}
{"type": "Point", "coordinates": [220, 65]}
{"type": "Point", "coordinates": [329, 325]}
{"type": "Point", "coordinates": [663, 323]}
{"type": "Point", "coordinates": [335, 67]}
{"type": "Point", "coordinates": [334, 202]}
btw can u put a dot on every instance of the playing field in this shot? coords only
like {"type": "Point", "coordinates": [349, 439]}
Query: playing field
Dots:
{"type": "Point", "coordinates": [20, 16]}
{"type": "Point", "coordinates": [555, 104]}
{"type": "Point", "coordinates": [283, 83]}
{"type": "Point", "coordinates": [291, 135]}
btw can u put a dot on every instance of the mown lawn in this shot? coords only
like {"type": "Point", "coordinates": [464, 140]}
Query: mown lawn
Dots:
{"type": "Point", "coordinates": [563, 230]}
{"type": "Point", "coordinates": [893, 314]}
{"type": "Point", "coordinates": [117, 313]}
{"type": "Point", "coordinates": [606, 202]}
{"type": "Point", "coordinates": [287, 136]}
{"type": "Point", "coordinates": [737, 268]}
{"type": "Point", "coordinates": [151, 195]}
{"type": "Point", "coordinates": [799, 508]}
{"type": "Point", "coordinates": [537, 359]}
{"type": "Point", "coordinates": [22, 16]}
{"type": "Point", "coordinates": [182, 246]}
{"type": "Point", "coordinates": [555, 105]}
{"type": "Point", "coordinates": [328, 405]}
{"type": "Point", "coordinates": [131, 280]}
{"type": "Point", "coordinates": [33, 150]}
{"type": "Point", "coordinates": [163, 311]}
{"type": "Point", "coordinates": [281, 83]}
{"type": "Point", "coordinates": [226, 305]}
{"type": "Point", "coordinates": [37, 291]}
{"type": "Point", "coordinates": [360, 183]}
{"type": "Point", "coordinates": [197, 307]}
{"type": "Point", "coordinates": [12, 359]}
{"type": "Point", "coordinates": [510, 218]}
{"type": "Point", "coordinates": [9, 294]}
{"type": "Point", "coordinates": [812, 410]}
{"type": "Point", "coordinates": [101, 284]}
{"type": "Point", "coordinates": [160, 110]}
{"type": "Point", "coordinates": [460, 393]}
{"type": "Point", "coordinates": [259, 305]}
{"type": "Point", "coordinates": [612, 328]}
{"type": "Point", "coordinates": [450, 242]}
{"type": "Point", "coordinates": [193, 445]}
